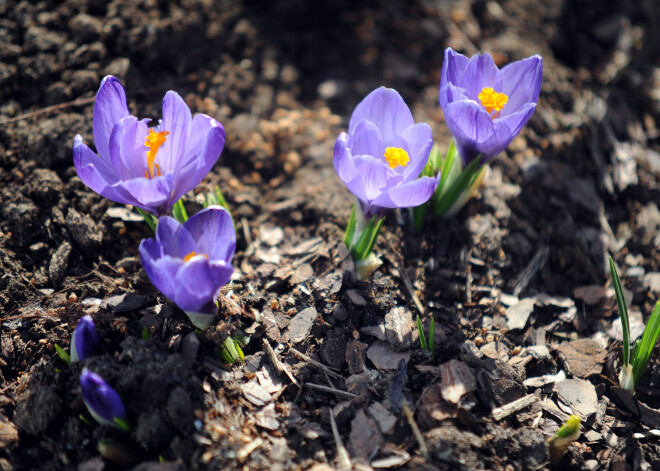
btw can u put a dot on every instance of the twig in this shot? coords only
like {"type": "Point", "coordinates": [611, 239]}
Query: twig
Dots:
{"type": "Point", "coordinates": [507, 409]}
{"type": "Point", "coordinates": [407, 283]}
{"type": "Point", "coordinates": [413, 425]}
{"type": "Point", "coordinates": [327, 369]}
{"type": "Point", "coordinates": [246, 232]}
{"type": "Point", "coordinates": [343, 459]}
{"type": "Point", "coordinates": [277, 364]}
{"type": "Point", "coordinates": [337, 392]}
{"type": "Point", "coordinates": [77, 102]}
{"type": "Point", "coordinates": [530, 270]}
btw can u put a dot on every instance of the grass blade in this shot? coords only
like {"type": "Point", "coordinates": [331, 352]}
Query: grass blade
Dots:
{"type": "Point", "coordinates": [420, 330]}
{"type": "Point", "coordinates": [623, 312]}
{"type": "Point", "coordinates": [643, 351]}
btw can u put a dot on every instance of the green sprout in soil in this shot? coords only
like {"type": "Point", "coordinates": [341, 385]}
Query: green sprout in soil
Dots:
{"type": "Point", "coordinates": [428, 345]}
{"type": "Point", "coordinates": [567, 434]}
{"type": "Point", "coordinates": [231, 349]}
{"type": "Point", "coordinates": [633, 365]}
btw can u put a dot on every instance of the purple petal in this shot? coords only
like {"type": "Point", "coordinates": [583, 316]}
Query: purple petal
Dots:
{"type": "Point", "coordinates": [408, 195]}
{"type": "Point", "coordinates": [417, 141]}
{"type": "Point", "coordinates": [84, 341]}
{"type": "Point", "coordinates": [521, 82]}
{"type": "Point", "coordinates": [453, 68]}
{"type": "Point", "coordinates": [366, 140]}
{"type": "Point", "coordinates": [110, 106]}
{"type": "Point", "coordinates": [127, 149]}
{"type": "Point", "coordinates": [470, 125]}
{"type": "Point", "coordinates": [203, 149]}
{"type": "Point", "coordinates": [212, 230]}
{"type": "Point", "coordinates": [177, 119]}
{"type": "Point", "coordinates": [101, 400]}
{"type": "Point", "coordinates": [480, 72]}
{"type": "Point", "coordinates": [374, 175]}
{"type": "Point", "coordinates": [161, 270]}
{"type": "Point", "coordinates": [97, 174]}
{"type": "Point", "coordinates": [196, 285]}
{"type": "Point", "coordinates": [386, 109]}
{"type": "Point", "coordinates": [152, 195]}
{"type": "Point", "coordinates": [174, 239]}
{"type": "Point", "coordinates": [513, 123]}
{"type": "Point", "coordinates": [343, 159]}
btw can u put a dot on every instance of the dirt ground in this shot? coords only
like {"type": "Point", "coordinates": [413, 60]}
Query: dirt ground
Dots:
{"type": "Point", "coordinates": [517, 282]}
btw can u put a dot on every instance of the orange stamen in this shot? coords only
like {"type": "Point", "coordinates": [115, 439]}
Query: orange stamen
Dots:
{"type": "Point", "coordinates": [492, 100]}
{"type": "Point", "coordinates": [192, 254]}
{"type": "Point", "coordinates": [153, 141]}
{"type": "Point", "coordinates": [396, 156]}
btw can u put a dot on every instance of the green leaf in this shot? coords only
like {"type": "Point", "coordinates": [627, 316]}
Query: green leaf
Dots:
{"type": "Point", "coordinates": [64, 356]}
{"type": "Point", "coordinates": [420, 330]}
{"type": "Point", "coordinates": [146, 335]}
{"type": "Point", "coordinates": [150, 219]}
{"type": "Point", "coordinates": [623, 312]}
{"type": "Point", "coordinates": [643, 351]}
{"type": "Point", "coordinates": [122, 424]}
{"type": "Point", "coordinates": [179, 211]}
{"type": "Point", "coordinates": [445, 198]}
{"type": "Point", "coordinates": [350, 228]}
{"type": "Point", "coordinates": [569, 428]}
{"type": "Point", "coordinates": [432, 337]}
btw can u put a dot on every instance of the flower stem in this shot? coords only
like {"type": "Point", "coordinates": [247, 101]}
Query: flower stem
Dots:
{"type": "Point", "coordinates": [361, 234]}
{"type": "Point", "coordinates": [148, 218]}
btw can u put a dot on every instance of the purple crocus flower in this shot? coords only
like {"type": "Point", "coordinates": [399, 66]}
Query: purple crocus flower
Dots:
{"type": "Point", "coordinates": [485, 108]}
{"type": "Point", "coordinates": [84, 341]}
{"type": "Point", "coordinates": [383, 154]}
{"type": "Point", "coordinates": [150, 168]}
{"type": "Point", "coordinates": [190, 262]}
{"type": "Point", "coordinates": [101, 400]}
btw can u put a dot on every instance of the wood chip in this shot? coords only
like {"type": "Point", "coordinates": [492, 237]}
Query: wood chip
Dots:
{"type": "Point", "coordinates": [384, 358]}
{"type": "Point", "coordinates": [506, 410]}
{"type": "Point", "coordinates": [457, 380]}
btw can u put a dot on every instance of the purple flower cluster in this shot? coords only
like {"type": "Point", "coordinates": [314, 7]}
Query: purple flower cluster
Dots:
{"type": "Point", "coordinates": [152, 168]}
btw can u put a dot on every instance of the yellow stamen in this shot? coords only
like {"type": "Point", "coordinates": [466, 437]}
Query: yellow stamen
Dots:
{"type": "Point", "coordinates": [153, 141]}
{"type": "Point", "coordinates": [492, 100]}
{"type": "Point", "coordinates": [193, 254]}
{"type": "Point", "coordinates": [396, 156]}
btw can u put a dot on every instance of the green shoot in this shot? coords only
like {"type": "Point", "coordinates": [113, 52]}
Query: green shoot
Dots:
{"type": "Point", "coordinates": [633, 366]}
{"type": "Point", "coordinates": [428, 345]}
{"type": "Point", "coordinates": [150, 219]}
{"type": "Point", "coordinates": [64, 356]}
{"type": "Point", "coordinates": [231, 351]}
{"type": "Point", "coordinates": [567, 434]}
{"type": "Point", "coordinates": [146, 335]}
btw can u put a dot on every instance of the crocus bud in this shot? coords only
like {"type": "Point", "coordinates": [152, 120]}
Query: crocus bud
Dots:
{"type": "Point", "coordinates": [84, 341]}
{"type": "Point", "coordinates": [102, 401]}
